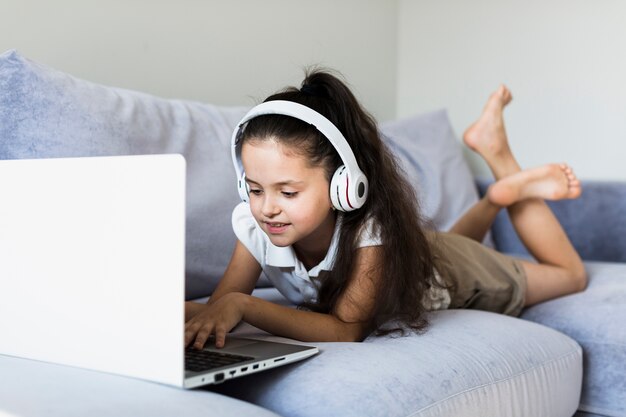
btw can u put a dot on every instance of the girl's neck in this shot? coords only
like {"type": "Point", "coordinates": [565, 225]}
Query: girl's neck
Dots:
{"type": "Point", "coordinates": [313, 249]}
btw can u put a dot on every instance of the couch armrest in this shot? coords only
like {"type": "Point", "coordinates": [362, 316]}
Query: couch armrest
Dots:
{"type": "Point", "coordinates": [595, 222]}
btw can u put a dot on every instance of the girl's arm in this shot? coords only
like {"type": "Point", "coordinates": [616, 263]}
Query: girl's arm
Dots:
{"type": "Point", "coordinates": [240, 276]}
{"type": "Point", "coordinates": [347, 322]}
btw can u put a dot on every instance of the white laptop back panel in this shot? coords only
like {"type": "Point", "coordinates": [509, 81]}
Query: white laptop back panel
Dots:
{"type": "Point", "coordinates": [79, 235]}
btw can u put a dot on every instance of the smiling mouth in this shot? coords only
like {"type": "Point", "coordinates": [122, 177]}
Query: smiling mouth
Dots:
{"type": "Point", "coordinates": [276, 228]}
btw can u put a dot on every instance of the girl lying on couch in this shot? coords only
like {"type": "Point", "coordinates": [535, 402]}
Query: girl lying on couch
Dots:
{"type": "Point", "coordinates": [360, 256]}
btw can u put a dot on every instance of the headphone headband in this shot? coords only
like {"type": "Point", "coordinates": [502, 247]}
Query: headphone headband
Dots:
{"type": "Point", "coordinates": [355, 197]}
{"type": "Point", "coordinates": [306, 114]}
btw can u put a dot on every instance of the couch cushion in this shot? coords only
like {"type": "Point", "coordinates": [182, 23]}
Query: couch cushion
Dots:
{"type": "Point", "coordinates": [595, 319]}
{"type": "Point", "coordinates": [469, 363]}
{"type": "Point", "coordinates": [48, 113]}
{"type": "Point", "coordinates": [32, 388]}
{"type": "Point", "coordinates": [433, 161]}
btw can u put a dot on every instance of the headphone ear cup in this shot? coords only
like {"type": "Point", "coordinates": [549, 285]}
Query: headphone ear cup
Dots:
{"type": "Point", "coordinates": [243, 188]}
{"type": "Point", "coordinates": [348, 194]}
{"type": "Point", "coordinates": [336, 188]}
{"type": "Point", "coordinates": [358, 190]}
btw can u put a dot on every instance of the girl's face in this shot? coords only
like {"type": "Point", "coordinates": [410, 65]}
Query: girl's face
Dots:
{"type": "Point", "coordinates": [289, 199]}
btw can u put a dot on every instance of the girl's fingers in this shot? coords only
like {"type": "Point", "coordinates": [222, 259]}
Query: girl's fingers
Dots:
{"type": "Point", "coordinates": [220, 338]}
{"type": "Point", "coordinates": [202, 337]}
{"type": "Point", "coordinates": [197, 333]}
{"type": "Point", "coordinates": [190, 333]}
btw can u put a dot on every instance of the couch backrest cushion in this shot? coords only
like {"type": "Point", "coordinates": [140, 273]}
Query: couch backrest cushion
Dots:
{"type": "Point", "coordinates": [433, 160]}
{"type": "Point", "coordinates": [46, 113]}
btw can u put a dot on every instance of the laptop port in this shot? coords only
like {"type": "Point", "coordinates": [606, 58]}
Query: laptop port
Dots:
{"type": "Point", "coordinates": [255, 366]}
{"type": "Point", "coordinates": [244, 369]}
{"type": "Point", "coordinates": [279, 359]}
{"type": "Point", "coordinates": [219, 377]}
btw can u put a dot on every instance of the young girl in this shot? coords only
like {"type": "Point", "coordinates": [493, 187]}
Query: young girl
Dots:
{"type": "Point", "coordinates": [351, 272]}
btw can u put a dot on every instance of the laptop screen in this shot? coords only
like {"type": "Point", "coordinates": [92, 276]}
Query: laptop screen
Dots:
{"type": "Point", "coordinates": [92, 263]}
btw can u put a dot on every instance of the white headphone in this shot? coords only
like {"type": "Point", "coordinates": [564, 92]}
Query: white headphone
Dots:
{"type": "Point", "coordinates": [348, 186]}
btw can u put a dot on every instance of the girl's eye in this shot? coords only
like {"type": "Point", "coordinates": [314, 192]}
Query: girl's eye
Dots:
{"type": "Point", "coordinates": [255, 191]}
{"type": "Point", "coordinates": [289, 194]}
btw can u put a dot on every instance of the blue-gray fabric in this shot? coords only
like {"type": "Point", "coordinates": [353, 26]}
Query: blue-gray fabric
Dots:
{"type": "Point", "coordinates": [596, 319]}
{"type": "Point", "coordinates": [470, 363]}
{"type": "Point", "coordinates": [432, 159]}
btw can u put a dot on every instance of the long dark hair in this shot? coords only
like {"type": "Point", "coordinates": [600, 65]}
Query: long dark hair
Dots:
{"type": "Point", "coordinates": [407, 264]}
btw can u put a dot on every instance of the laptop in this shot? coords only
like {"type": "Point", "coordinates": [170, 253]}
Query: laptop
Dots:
{"type": "Point", "coordinates": [92, 272]}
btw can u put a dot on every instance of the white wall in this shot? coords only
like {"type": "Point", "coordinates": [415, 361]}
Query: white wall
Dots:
{"type": "Point", "coordinates": [226, 52]}
{"type": "Point", "coordinates": [564, 60]}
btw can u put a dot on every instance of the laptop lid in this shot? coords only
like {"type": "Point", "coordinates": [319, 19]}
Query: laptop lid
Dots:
{"type": "Point", "coordinates": [79, 236]}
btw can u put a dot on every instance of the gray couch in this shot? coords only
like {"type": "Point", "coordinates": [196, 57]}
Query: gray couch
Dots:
{"type": "Point", "coordinates": [561, 356]}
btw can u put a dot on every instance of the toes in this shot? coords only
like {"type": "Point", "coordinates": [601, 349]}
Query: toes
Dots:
{"type": "Point", "coordinates": [506, 94]}
{"type": "Point", "coordinates": [575, 191]}
{"type": "Point", "coordinates": [502, 94]}
{"type": "Point", "coordinates": [569, 172]}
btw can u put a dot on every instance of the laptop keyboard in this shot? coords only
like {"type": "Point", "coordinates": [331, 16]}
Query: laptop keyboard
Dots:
{"type": "Point", "coordinates": [204, 360]}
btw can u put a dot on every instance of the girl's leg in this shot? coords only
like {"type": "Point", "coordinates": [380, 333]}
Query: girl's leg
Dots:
{"type": "Point", "coordinates": [476, 222]}
{"type": "Point", "coordinates": [489, 129]}
{"type": "Point", "coordinates": [560, 270]}
{"type": "Point", "coordinates": [550, 182]}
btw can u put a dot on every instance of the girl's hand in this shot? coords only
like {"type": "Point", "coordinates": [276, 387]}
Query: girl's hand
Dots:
{"type": "Point", "coordinates": [192, 308]}
{"type": "Point", "coordinates": [216, 318]}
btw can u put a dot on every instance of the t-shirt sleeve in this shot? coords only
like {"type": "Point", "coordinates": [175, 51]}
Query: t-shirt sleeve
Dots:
{"type": "Point", "coordinates": [248, 232]}
{"type": "Point", "coordinates": [370, 234]}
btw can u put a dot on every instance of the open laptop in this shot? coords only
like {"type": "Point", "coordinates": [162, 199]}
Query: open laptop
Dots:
{"type": "Point", "coordinates": [92, 272]}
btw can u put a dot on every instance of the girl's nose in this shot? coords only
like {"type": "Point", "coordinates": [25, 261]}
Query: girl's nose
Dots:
{"type": "Point", "coordinates": [270, 208]}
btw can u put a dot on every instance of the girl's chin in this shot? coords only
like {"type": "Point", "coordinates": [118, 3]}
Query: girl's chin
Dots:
{"type": "Point", "coordinates": [280, 242]}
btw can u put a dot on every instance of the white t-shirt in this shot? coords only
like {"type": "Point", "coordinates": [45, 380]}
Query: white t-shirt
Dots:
{"type": "Point", "coordinates": [288, 274]}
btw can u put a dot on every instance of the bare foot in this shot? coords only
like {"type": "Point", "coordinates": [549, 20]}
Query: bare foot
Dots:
{"type": "Point", "coordinates": [487, 135]}
{"type": "Point", "coordinates": [549, 182]}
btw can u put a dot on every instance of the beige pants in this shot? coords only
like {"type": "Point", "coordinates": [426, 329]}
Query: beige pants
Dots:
{"type": "Point", "coordinates": [481, 278]}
